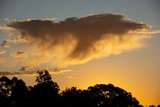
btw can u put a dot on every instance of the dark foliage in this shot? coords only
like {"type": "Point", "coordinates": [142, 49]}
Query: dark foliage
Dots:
{"type": "Point", "coordinates": [45, 93]}
{"type": "Point", "coordinates": [15, 93]}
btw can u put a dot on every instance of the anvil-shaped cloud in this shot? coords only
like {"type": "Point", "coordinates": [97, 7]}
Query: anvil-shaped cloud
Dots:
{"type": "Point", "coordinates": [77, 40]}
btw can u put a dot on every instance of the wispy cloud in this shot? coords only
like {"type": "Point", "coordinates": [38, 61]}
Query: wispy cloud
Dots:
{"type": "Point", "coordinates": [19, 55]}
{"type": "Point", "coordinates": [24, 68]}
{"type": "Point", "coordinates": [2, 51]}
{"type": "Point", "coordinates": [17, 39]}
{"type": "Point", "coordinates": [2, 60]}
{"type": "Point", "coordinates": [5, 27]}
{"type": "Point", "coordinates": [77, 40]}
{"type": "Point", "coordinates": [33, 71]}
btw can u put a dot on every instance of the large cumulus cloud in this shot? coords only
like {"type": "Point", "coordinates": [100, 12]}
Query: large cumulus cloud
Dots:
{"type": "Point", "coordinates": [77, 40]}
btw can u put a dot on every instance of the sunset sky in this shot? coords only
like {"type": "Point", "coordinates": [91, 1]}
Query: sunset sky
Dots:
{"type": "Point", "coordinates": [83, 43]}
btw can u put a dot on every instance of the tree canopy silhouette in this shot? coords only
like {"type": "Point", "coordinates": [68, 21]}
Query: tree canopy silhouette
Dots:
{"type": "Point", "coordinates": [46, 93]}
{"type": "Point", "coordinates": [43, 76]}
{"type": "Point", "coordinates": [100, 95]}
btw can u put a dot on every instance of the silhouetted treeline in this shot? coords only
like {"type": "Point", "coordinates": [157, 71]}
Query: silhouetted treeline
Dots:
{"type": "Point", "coordinates": [46, 93]}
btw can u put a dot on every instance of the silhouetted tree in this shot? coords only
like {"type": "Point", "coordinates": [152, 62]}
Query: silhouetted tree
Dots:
{"type": "Point", "coordinates": [13, 92]}
{"type": "Point", "coordinates": [152, 106]}
{"type": "Point", "coordinates": [110, 96]}
{"type": "Point", "coordinates": [5, 86]}
{"type": "Point", "coordinates": [70, 97]}
{"type": "Point", "coordinates": [20, 94]}
{"type": "Point", "coordinates": [4, 100]}
{"type": "Point", "coordinates": [43, 76]}
{"type": "Point", "coordinates": [45, 93]}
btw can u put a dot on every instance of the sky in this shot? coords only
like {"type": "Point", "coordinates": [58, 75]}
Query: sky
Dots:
{"type": "Point", "coordinates": [91, 42]}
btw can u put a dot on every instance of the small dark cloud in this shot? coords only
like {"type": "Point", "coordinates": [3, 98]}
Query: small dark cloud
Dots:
{"type": "Point", "coordinates": [24, 68]}
{"type": "Point", "coordinates": [5, 44]}
{"type": "Point", "coordinates": [19, 55]}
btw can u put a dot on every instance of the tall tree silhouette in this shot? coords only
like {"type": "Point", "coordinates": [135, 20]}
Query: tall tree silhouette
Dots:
{"type": "Point", "coordinates": [45, 93]}
{"type": "Point", "coordinates": [20, 93]}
